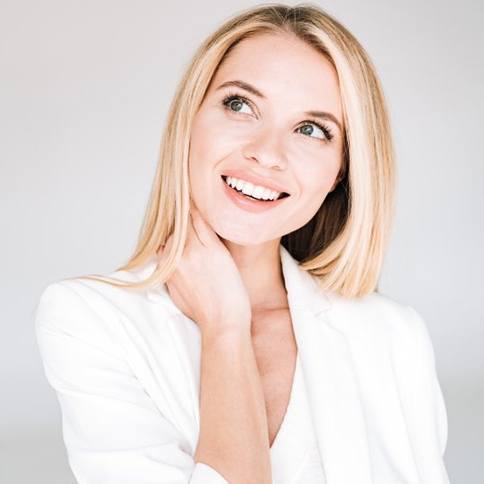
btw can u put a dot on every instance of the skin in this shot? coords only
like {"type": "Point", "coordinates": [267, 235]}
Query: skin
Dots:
{"type": "Point", "coordinates": [229, 280]}
{"type": "Point", "coordinates": [265, 136]}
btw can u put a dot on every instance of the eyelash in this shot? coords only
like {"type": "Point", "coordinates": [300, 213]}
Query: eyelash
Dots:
{"type": "Point", "coordinates": [324, 128]}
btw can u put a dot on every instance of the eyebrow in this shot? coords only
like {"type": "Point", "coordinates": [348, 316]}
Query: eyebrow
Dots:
{"type": "Point", "coordinates": [324, 115]}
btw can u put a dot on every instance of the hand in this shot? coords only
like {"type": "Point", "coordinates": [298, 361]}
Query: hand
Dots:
{"type": "Point", "coordinates": [206, 285]}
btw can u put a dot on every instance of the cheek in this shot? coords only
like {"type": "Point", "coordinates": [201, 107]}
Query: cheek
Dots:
{"type": "Point", "coordinates": [319, 186]}
{"type": "Point", "coordinates": [210, 143]}
{"type": "Point", "coordinates": [313, 199]}
{"type": "Point", "coordinates": [209, 146]}
{"type": "Point", "coordinates": [318, 176]}
{"type": "Point", "coordinates": [203, 148]}
{"type": "Point", "coordinates": [315, 182]}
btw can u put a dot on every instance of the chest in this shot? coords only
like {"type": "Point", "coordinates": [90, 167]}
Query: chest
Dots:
{"type": "Point", "coordinates": [275, 351]}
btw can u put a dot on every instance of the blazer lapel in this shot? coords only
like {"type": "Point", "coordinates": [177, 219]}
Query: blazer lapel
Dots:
{"type": "Point", "coordinates": [331, 383]}
{"type": "Point", "coordinates": [327, 369]}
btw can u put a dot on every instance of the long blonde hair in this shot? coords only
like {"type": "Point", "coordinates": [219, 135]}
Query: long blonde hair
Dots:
{"type": "Point", "coordinates": [343, 245]}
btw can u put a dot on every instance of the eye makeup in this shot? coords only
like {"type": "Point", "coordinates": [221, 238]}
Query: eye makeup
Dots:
{"type": "Point", "coordinates": [232, 96]}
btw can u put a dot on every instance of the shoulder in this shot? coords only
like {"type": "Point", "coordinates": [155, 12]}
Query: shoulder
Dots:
{"type": "Point", "coordinates": [73, 311]}
{"type": "Point", "coordinates": [375, 307]}
{"type": "Point", "coordinates": [391, 346]}
{"type": "Point", "coordinates": [88, 308]}
{"type": "Point", "coordinates": [379, 315]}
{"type": "Point", "coordinates": [380, 327]}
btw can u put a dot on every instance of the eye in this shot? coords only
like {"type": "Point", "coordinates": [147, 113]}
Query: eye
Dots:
{"type": "Point", "coordinates": [327, 134]}
{"type": "Point", "coordinates": [234, 100]}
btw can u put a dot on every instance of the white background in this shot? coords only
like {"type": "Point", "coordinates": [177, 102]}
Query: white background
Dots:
{"type": "Point", "coordinates": [85, 87]}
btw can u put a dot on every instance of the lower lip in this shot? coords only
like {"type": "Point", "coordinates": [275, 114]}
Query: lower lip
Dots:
{"type": "Point", "coordinates": [249, 204]}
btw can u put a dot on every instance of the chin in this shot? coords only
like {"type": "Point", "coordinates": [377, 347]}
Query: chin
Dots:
{"type": "Point", "coordinates": [239, 233]}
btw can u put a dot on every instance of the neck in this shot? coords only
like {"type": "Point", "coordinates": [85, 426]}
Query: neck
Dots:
{"type": "Point", "coordinates": [261, 272]}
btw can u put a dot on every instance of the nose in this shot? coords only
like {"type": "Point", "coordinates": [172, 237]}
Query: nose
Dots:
{"type": "Point", "coordinates": [267, 149]}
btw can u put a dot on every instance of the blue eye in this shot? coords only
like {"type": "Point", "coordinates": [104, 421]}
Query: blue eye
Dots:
{"type": "Point", "coordinates": [325, 129]}
{"type": "Point", "coordinates": [228, 103]}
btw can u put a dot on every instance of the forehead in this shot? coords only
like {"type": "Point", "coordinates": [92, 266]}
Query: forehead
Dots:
{"type": "Point", "coordinates": [282, 65]}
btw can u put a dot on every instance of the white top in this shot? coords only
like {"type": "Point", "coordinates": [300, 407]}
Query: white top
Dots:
{"type": "Point", "coordinates": [294, 453]}
{"type": "Point", "coordinates": [126, 370]}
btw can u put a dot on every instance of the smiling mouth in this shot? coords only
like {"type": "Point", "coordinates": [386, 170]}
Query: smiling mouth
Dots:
{"type": "Point", "coordinates": [282, 195]}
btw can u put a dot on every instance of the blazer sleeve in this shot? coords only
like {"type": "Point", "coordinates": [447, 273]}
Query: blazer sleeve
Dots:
{"type": "Point", "coordinates": [112, 430]}
{"type": "Point", "coordinates": [422, 398]}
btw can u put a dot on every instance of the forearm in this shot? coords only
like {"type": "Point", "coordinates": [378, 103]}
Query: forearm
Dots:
{"type": "Point", "coordinates": [233, 424]}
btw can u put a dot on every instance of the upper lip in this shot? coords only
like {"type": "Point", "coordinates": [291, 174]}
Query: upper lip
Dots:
{"type": "Point", "coordinates": [255, 179]}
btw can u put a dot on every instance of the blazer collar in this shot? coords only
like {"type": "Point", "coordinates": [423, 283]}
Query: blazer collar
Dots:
{"type": "Point", "coordinates": [302, 290]}
{"type": "Point", "coordinates": [335, 404]}
{"type": "Point", "coordinates": [328, 371]}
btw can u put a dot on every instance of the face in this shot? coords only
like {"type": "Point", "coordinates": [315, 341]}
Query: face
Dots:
{"type": "Point", "coordinates": [260, 130]}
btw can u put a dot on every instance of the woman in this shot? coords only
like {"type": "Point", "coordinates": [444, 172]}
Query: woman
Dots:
{"type": "Point", "coordinates": [245, 340]}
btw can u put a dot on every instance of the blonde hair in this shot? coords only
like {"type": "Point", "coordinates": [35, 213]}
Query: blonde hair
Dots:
{"type": "Point", "coordinates": [343, 245]}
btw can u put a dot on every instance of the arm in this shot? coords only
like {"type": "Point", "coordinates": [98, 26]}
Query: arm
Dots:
{"type": "Point", "coordinates": [113, 432]}
{"type": "Point", "coordinates": [233, 429]}
{"type": "Point", "coordinates": [422, 397]}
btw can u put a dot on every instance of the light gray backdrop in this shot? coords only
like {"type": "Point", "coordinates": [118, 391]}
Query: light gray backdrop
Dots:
{"type": "Point", "coordinates": [85, 87]}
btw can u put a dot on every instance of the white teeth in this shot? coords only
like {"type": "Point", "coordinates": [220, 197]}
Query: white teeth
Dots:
{"type": "Point", "coordinates": [247, 188]}
{"type": "Point", "coordinates": [256, 191]}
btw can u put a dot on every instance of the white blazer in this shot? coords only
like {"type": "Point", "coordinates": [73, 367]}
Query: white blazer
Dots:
{"type": "Point", "coordinates": [126, 371]}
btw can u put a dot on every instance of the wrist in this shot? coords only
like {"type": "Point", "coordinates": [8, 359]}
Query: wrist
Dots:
{"type": "Point", "coordinates": [227, 332]}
